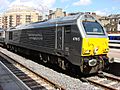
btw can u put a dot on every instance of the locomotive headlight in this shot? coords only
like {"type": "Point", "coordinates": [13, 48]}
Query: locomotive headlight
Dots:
{"type": "Point", "coordinates": [95, 50]}
{"type": "Point", "coordinates": [106, 50]}
{"type": "Point", "coordinates": [86, 51]}
{"type": "Point", "coordinates": [92, 62]}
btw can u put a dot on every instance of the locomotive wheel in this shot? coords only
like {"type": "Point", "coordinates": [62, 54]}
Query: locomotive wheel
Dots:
{"type": "Point", "coordinates": [16, 50]}
{"type": "Point", "coordinates": [63, 64]}
{"type": "Point", "coordinates": [40, 57]}
{"type": "Point", "coordinates": [53, 59]}
{"type": "Point", "coordinates": [44, 58]}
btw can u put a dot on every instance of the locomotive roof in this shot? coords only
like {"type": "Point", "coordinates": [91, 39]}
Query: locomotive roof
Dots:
{"type": "Point", "coordinates": [52, 22]}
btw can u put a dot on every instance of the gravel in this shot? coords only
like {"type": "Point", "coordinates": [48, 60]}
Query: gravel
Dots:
{"type": "Point", "coordinates": [69, 83]}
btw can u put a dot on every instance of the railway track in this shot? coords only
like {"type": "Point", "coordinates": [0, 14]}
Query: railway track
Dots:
{"type": "Point", "coordinates": [28, 77]}
{"type": "Point", "coordinates": [107, 81]}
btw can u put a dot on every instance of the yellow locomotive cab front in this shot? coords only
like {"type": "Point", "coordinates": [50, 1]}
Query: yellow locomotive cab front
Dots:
{"type": "Point", "coordinates": [94, 46]}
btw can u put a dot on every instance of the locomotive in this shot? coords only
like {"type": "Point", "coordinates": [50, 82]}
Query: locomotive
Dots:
{"type": "Point", "coordinates": [77, 43]}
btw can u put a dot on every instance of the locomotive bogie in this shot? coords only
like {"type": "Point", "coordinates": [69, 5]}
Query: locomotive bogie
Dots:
{"type": "Point", "coordinates": [94, 63]}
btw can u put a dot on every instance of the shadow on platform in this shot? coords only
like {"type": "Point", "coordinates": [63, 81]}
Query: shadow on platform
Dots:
{"type": "Point", "coordinates": [115, 69]}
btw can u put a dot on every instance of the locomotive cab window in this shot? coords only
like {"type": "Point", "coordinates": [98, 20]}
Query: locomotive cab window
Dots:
{"type": "Point", "coordinates": [67, 29]}
{"type": "Point", "coordinates": [91, 26]}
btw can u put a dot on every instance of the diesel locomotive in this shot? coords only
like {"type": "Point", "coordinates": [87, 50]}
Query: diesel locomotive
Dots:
{"type": "Point", "coordinates": [78, 43]}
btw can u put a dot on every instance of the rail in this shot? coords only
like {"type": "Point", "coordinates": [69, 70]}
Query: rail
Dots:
{"type": "Point", "coordinates": [108, 81]}
{"type": "Point", "coordinates": [27, 76]}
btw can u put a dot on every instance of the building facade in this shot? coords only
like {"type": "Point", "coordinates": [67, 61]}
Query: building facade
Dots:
{"type": "Point", "coordinates": [114, 23]}
{"type": "Point", "coordinates": [1, 17]}
{"type": "Point", "coordinates": [17, 15]}
{"type": "Point", "coordinates": [56, 14]}
{"type": "Point", "coordinates": [104, 20]}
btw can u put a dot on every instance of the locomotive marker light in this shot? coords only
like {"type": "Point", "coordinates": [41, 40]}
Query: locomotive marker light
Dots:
{"type": "Point", "coordinates": [86, 52]}
{"type": "Point", "coordinates": [95, 51]}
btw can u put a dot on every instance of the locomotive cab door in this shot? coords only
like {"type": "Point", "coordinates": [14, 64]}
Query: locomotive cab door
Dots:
{"type": "Point", "coordinates": [67, 39]}
{"type": "Point", "coordinates": [60, 38]}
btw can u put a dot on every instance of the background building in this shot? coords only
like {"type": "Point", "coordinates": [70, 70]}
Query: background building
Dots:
{"type": "Point", "coordinates": [56, 14]}
{"type": "Point", "coordinates": [17, 15]}
{"type": "Point", "coordinates": [111, 23]}
{"type": "Point", "coordinates": [1, 24]}
{"type": "Point", "coordinates": [104, 20]}
{"type": "Point", "coordinates": [114, 22]}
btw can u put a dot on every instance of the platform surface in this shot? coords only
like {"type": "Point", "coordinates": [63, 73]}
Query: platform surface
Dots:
{"type": "Point", "coordinates": [114, 53]}
{"type": "Point", "coordinates": [8, 81]}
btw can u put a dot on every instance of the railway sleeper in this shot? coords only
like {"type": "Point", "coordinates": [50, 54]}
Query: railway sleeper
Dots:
{"type": "Point", "coordinates": [37, 87]}
{"type": "Point", "coordinates": [31, 83]}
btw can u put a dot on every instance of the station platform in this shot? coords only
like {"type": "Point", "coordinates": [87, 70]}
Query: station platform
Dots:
{"type": "Point", "coordinates": [117, 60]}
{"type": "Point", "coordinates": [115, 54]}
{"type": "Point", "coordinates": [8, 81]}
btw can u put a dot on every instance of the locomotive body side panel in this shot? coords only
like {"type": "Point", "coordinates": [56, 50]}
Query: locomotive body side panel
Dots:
{"type": "Point", "coordinates": [73, 44]}
{"type": "Point", "coordinates": [41, 39]}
